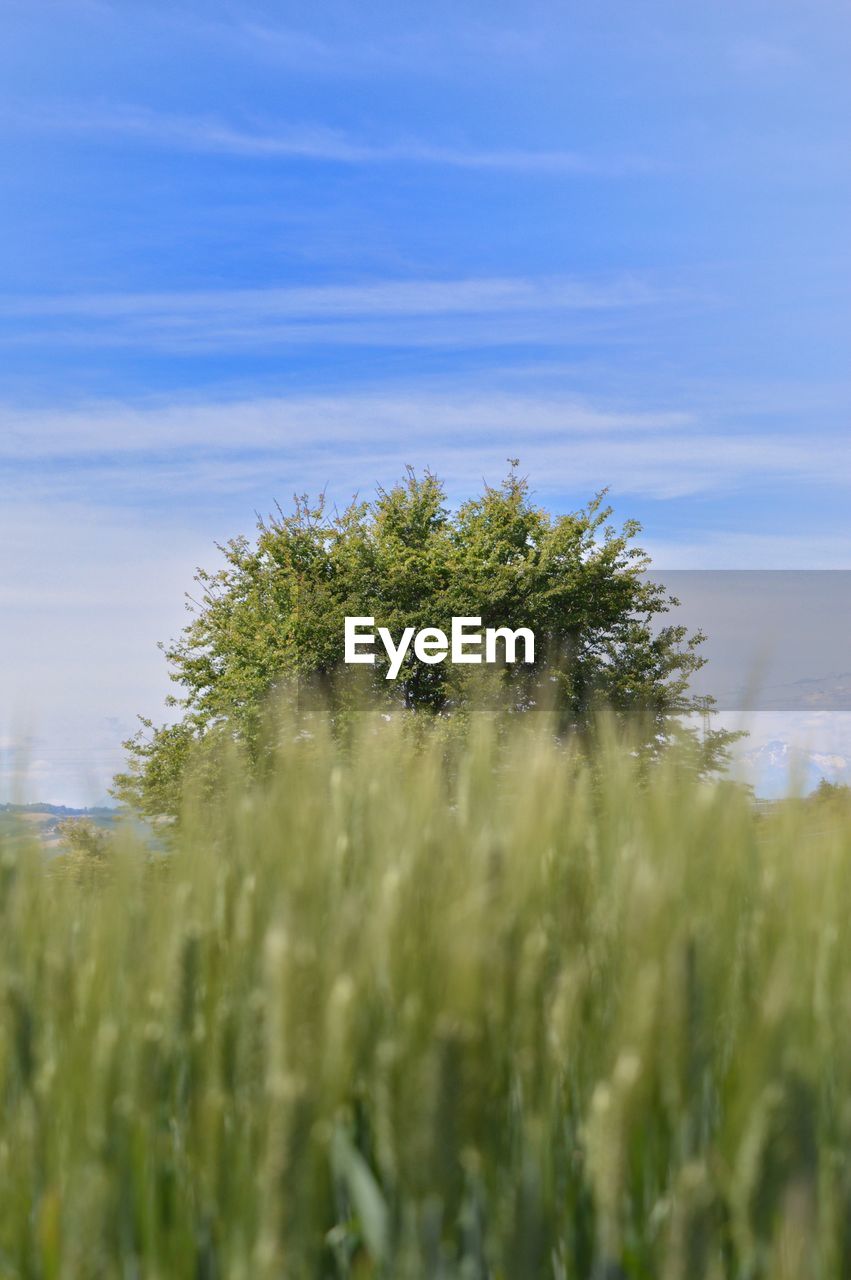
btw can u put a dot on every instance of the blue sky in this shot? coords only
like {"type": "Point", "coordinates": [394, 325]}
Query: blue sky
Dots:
{"type": "Point", "coordinates": [252, 248]}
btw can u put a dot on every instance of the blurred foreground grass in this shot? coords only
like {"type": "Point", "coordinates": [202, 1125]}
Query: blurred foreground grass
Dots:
{"type": "Point", "coordinates": [377, 1017]}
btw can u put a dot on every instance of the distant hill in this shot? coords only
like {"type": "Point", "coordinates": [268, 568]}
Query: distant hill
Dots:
{"type": "Point", "coordinates": [62, 810]}
{"type": "Point", "coordinates": [42, 820]}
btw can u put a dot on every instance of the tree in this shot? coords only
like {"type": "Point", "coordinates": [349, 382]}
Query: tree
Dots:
{"type": "Point", "coordinates": [87, 850]}
{"type": "Point", "coordinates": [272, 618]}
{"type": "Point", "coordinates": [831, 793]}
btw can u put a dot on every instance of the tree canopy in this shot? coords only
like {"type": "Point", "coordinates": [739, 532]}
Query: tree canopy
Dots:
{"type": "Point", "coordinates": [271, 618]}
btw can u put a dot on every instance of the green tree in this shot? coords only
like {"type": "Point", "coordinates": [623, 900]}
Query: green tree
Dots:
{"type": "Point", "coordinates": [833, 794]}
{"type": "Point", "coordinates": [87, 849]}
{"type": "Point", "coordinates": [272, 619]}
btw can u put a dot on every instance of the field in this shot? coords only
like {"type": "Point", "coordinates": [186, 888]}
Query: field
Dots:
{"type": "Point", "coordinates": [506, 1015]}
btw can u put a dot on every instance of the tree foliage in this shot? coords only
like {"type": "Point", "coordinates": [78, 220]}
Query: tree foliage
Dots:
{"type": "Point", "coordinates": [87, 851]}
{"type": "Point", "coordinates": [271, 619]}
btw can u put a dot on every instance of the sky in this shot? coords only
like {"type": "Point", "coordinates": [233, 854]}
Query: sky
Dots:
{"type": "Point", "coordinates": [253, 249]}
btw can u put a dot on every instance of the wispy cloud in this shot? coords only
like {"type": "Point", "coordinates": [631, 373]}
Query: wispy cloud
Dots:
{"type": "Point", "coordinates": [210, 134]}
{"type": "Point", "coordinates": [361, 420]}
{"type": "Point", "coordinates": [385, 298]}
{"type": "Point", "coordinates": [261, 448]}
{"type": "Point", "coordinates": [460, 312]}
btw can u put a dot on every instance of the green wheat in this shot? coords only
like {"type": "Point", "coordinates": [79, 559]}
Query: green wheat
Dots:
{"type": "Point", "coordinates": [401, 1011]}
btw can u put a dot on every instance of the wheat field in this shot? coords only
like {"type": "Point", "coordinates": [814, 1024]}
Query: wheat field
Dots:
{"type": "Point", "coordinates": [398, 1012]}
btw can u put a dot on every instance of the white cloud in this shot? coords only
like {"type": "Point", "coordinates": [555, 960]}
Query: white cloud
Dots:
{"type": "Point", "coordinates": [210, 134]}
{"type": "Point", "coordinates": [826, 732]}
{"type": "Point", "coordinates": [744, 549]}
{"type": "Point", "coordinates": [85, 595]}
{"type": "Point", "coordinates": [363, 421]}
{"type": "Point", "coordinates": [355, 439]}
{"type": "Point", "coordinates": [458, 313]}
{"type": "Point", "coordinates": [472, 295]}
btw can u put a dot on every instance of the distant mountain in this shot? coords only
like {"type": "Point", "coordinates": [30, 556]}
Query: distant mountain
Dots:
{"type": "Point", "coordinates": [778, 767]}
